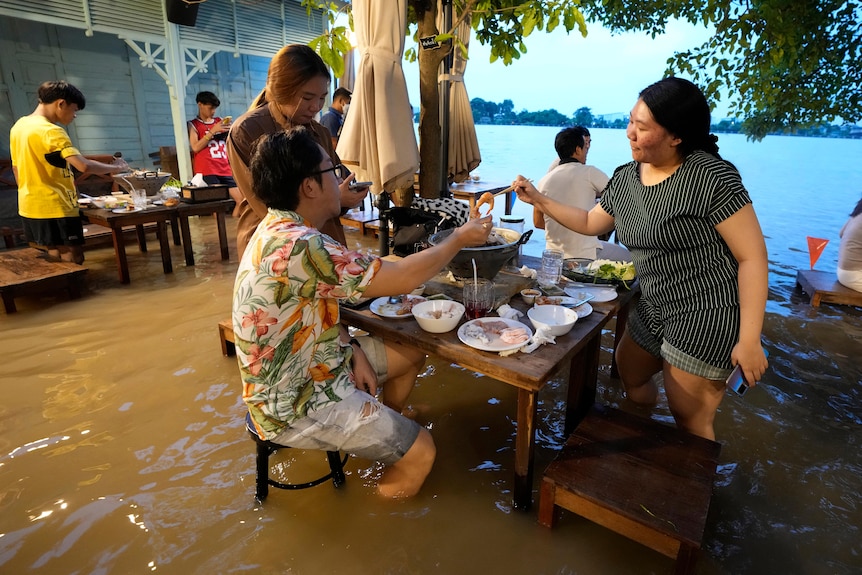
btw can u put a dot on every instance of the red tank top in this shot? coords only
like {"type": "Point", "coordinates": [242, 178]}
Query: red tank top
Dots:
{"type": "Point", "coordinates": [212, 160]}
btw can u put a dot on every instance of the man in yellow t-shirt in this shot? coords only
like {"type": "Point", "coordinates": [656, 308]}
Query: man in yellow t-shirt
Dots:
{"type": "Point", "coordinates": [42, 156]}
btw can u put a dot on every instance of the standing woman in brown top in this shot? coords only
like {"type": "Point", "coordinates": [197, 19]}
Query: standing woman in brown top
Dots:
{"type": "Point", "coordinates": [297, 86]}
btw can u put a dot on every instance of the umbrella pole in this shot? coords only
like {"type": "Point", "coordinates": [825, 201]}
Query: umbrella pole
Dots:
{"type": "Point", "coordinates": [443, 191]}
{"type": "Point", "coordinates": [383, 230]}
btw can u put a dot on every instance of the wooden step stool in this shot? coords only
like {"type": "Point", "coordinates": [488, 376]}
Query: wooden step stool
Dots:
{"type": "Point", "coordinates": [647, 481]}
{"type": "Point", "coordinates": [226, 338]}
{"type": "Point", "coordinates": [823, 287]}
{"type": "Point", "coordinates": [27, 270]}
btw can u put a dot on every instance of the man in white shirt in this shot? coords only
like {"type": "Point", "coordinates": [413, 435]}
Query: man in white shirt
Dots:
{"type": "Point", "coordinates": [575, 183]}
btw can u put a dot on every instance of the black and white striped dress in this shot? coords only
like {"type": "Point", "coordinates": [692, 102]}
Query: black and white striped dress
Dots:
{"type": "Point", "coordinates": [688, 276]}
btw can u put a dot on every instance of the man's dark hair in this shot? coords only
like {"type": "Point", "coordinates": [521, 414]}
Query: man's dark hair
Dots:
{"type": "Point", "coordinates": [279, 164]}
{"type": "Point", "coordinates": [570, 139]}
{"type": "Point", "coordinates": [61, 90]}
{"type": "Point", "coordinates": [341, 93]}
{"type": "Point", "coordinates": [208, 98]}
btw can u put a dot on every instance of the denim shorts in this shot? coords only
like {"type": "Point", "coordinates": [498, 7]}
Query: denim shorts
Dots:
{"type": "Point", "coordinates": [358, 424]}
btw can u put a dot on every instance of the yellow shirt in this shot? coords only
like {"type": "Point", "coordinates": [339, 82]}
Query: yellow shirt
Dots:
{"type": "Point", "coordinates": [46, 185]}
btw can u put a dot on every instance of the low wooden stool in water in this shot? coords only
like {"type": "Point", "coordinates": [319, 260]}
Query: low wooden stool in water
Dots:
{"type": "Point", "coordinates": [267, 448]}
{"type": "Point", "coordinates": [226, 338]}
{"type": "Point", "coordinates": [823, 287]}
{"type": "Point", "coordinates": [647, 481]}
{"type": "Point", "coordinates": [27, 270]}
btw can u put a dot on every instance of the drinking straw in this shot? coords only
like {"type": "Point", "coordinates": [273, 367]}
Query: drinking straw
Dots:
{"type": "Point", "coordinates": [475, 281]}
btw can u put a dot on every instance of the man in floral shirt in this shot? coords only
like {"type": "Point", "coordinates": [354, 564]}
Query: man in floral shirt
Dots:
{"type": "Point", "coordinates": [305, 382]}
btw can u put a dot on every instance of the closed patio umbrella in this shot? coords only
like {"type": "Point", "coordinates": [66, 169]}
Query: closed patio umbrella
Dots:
{"type": "Point", "coordinates": [463, 155]}
{"type": "Point", "coordinates": [377, 140]}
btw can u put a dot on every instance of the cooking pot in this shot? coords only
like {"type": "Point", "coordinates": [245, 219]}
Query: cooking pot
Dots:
{"type": "Point", "coordinates": [489, 259]}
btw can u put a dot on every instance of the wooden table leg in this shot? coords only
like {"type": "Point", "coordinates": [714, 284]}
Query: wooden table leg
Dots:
{"type": "Point", "coordinates": [525, 443]}
{"type": "Point", "coordinates": [222, 234]}
{"type": "Point", "coordinates": [583, 373]}
{"type": "Point", "coordinates": [9, 302]}
{"type": "Point", "coordinates": [120, 254]}
{"type": "Point", "coordinates": [187, 240]}
{"type": "Point", "coordinates": [164, 244]}
{"type": "Point", "coordinates": [142, 237]}
{"type": "Point", "coordinates": [175, 229]}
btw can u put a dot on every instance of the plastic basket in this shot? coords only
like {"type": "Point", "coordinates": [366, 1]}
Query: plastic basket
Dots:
{"type": "Point", "coordinates": [152, 182]}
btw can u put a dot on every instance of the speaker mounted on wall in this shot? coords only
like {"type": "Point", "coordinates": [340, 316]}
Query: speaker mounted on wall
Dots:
{"type": "Point", "coordinates": [182, 12]}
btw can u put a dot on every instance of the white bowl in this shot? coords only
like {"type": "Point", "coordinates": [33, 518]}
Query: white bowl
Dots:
{"type": "Point", "coordinates": [450, 313]}
{"type": "Point", "coordinates": [418, 290]}
{"type": "Point", "coordinates": [557, 319]}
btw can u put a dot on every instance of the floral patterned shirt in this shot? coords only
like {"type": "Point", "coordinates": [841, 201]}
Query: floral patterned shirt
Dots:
{"type": "Point", "coordinates": [286, 319]}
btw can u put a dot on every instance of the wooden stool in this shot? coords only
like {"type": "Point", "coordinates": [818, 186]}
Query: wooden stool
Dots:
{"type": "Point", "coordinates": [647, 481]}
{"type": "Point", "coordinates": [823, 287]}
{"type": "Point", "coordinates": [267, 448]}
{"type": "Point", "coordinates": [226, 338]}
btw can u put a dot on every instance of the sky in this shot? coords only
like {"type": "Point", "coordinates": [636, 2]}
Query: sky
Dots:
{"type": "Point", "coordinates": [565, 72]}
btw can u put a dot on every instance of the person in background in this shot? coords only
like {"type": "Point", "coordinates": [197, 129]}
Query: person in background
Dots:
{"type": "Point", "coordinates": [334, 118]}
{"type": "Point", "coordinates": [306, 383]}
{"type": "Point", "coordinates": [571, 182]}
{"type": "Point", "coordinates": [42, 157]}
{"type": "Point", "coordinates": [297, 85]}
{"type": "Point", "coordinates": [850, 250]}
{"type": "Point", "coordinates": [207, 134]}
{"type": "Point", "coordinates": [698, 251]}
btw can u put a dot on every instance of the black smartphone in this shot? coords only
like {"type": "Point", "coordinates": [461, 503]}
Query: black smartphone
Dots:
{"type": "Point", "coordinates": [356, 185]}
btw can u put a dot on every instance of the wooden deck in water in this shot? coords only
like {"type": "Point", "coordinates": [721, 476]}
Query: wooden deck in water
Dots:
{"type": "Point", "coordinates": [823, 287]}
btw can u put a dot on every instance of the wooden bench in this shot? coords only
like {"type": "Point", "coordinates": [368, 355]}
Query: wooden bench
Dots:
{"type": "Point", "coordinates": [647, 481]}
{"type": "Point", "coordinates": [27, 270]}
{"type": "Point", "coordinates": [823, 287]}
{"type": "Point", "coordinates": [226, 337]}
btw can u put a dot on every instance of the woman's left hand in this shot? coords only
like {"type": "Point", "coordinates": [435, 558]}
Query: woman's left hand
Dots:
{"type": "Point", "coordinates": [753, 361]}
{"type": "Point", "coordinates": [351, 197]}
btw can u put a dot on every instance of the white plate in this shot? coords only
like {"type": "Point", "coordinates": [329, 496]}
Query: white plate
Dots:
{"type": "Point", "coordinates": [583, 310]}
{"type": "Point", "coordinates": [600, 294]}
{"type": "Point", "coordinates": [84, 201]}
{"type": "Point", "coordinates": [495, 343]}
{"type": "Point", "coordinates": [125, 211]}
{"type": "Point", "coordinates": [383, 308]}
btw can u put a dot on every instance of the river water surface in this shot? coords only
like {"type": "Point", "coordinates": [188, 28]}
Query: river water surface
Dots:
{"type": "Point", "coordinates": [123, 449]}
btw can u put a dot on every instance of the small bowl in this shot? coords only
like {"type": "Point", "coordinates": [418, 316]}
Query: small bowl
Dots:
{"type": "Point", "coordinates": [529, 295]}
{"type": "Point", "coordinates": [450, 314]}
{"type": "Point", "coordinates": [557, 319]}
{"type": "Point", "coordinates": [419, 290]}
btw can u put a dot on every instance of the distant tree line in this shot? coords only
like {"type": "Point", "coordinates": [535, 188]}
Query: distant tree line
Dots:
{"type": "Point", "coordinates": [486, 112]}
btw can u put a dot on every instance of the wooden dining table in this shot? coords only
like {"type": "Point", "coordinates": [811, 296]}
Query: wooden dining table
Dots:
{"type": "Point", "coordinates": [177, 215]}
{"type": "Point", "coordinates": [117, 220]}
{"type": "Point", "coordinates": [529, 373]}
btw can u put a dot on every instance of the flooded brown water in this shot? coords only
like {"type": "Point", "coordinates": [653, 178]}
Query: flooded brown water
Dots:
{"type": "Point", "coordinates": [123, 450]}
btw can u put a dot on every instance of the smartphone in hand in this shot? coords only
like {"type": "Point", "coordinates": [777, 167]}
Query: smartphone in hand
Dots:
{"type": "Point", "coordinates": [357, 185]}
{"type": "Point", "coordinates": [736, 381]}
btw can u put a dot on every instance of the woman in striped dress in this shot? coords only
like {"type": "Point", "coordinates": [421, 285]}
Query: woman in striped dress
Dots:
{"type": "Point", "coordinates": [698, 251]}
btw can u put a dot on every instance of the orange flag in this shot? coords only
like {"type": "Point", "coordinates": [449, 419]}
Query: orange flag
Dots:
{"type": "Point", "coordinates": [815, 248]}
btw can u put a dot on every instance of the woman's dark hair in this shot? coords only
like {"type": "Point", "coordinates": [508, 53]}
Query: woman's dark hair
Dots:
{"type": "Point", "coordinates": [289, 70]}
{"type": "Point", "coordinates": [60, 90]}
{"type": "Point", "coordinates": [280, 162]}
{"type": "Point", "coordinates": [681, 108]}
{"type": "Point", "coordinates": [857, 210]}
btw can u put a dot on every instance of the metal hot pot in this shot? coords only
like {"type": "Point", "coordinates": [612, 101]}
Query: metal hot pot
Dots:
{"type": "Point", "coordinates": [489, 258]}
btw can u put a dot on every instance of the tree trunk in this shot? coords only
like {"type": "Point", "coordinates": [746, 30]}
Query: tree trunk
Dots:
{"type": "Point", "coordinates": [430, 140]}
